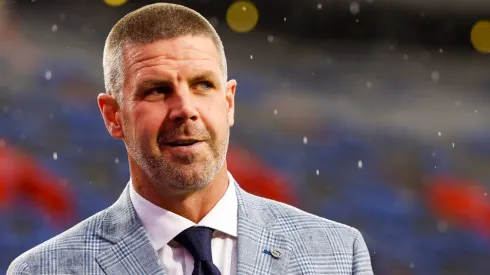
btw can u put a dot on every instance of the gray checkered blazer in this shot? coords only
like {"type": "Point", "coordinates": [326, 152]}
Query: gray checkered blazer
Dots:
{"type": "Point", "coordinates": [114, 242]}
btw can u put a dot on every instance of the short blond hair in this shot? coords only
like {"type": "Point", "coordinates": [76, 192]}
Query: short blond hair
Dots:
{"type": "Point", "coordinates": [149, 24]}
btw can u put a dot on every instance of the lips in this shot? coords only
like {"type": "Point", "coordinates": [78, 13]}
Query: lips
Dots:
{"type": "Point", "coordinates": [182, 142]}
{"type": "Point", "coordinates": [183, 147]}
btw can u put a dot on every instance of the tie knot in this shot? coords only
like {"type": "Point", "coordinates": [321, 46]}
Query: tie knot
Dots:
{"type": "Point", "coordinates": [197, 240]}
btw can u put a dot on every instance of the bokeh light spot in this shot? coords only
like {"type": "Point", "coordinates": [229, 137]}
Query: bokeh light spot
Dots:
{"type": "Point", "coordinates": [242, 16]}
{"type": "Point", "coordinates": [480, 36]}
{"type": "Point", "coordinates": [115, 3]}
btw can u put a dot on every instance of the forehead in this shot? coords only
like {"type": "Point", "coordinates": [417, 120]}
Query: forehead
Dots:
{"type": "Point", "coordinates": [178, 57]}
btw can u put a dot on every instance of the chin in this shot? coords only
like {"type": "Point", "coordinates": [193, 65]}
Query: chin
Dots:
{"type": "Point", "coordinates": [188, 184]}
{"type": "Point", "coordinates": [191, 176]}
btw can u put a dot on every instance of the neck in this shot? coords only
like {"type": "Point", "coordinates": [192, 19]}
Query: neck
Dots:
{"type": "Point", "coordinates": [192, 205]}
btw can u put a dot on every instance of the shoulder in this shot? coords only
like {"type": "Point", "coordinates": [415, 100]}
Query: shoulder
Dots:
{"type": "Point", "coordinates": [304, 226]}
{"type": "Point", "coordinates": [19, 266]}
{"type": "Point", "coordinates": [73, 240]}
{"type": "Point", "coordinates": [316, 240]}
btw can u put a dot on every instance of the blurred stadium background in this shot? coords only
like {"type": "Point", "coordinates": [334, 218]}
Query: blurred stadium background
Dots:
{"type": "Point", "coordinates": [373, 113]}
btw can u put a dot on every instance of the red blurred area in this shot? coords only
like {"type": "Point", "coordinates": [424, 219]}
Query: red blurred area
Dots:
{"type": "Point", "coordinates": [258, 178]}
{"type": "Point", "coordinates": [462, 202]}
{"type": "Point", "coordinates": [23, 180]}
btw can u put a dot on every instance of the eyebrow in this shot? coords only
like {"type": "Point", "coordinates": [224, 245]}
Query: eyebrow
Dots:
{"type": "Point", "coordinates": [161, 82]}
{"type": "Point", "coordinates": [155, 83]}
{"type": "Point", "coordinates": [204, 75]}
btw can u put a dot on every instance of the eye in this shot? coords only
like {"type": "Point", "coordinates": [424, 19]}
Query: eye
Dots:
{"type": "Point", "coordinates": [159, 91]}
{"type": "Point", "coordinates": [205, 85]}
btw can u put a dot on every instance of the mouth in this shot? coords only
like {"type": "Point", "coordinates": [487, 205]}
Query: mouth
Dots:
{"type": "Point", "coordinates": [182, 143]}
{"type": "Point", "coordinates": [183, 147]}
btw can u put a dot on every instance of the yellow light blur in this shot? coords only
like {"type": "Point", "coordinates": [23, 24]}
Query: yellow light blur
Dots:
{"type": "Point", "coordinates": [480, 36]}
{"type": "Point", "coordinates": [242, 16]}
{"type": "Point", "coordinates": [115, 3]}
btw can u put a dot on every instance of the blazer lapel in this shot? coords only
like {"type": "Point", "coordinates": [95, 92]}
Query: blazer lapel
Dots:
{"type": "Point", "coordinates": [261, 249]}
{"type": "Point", "coordinates": [130, 251]}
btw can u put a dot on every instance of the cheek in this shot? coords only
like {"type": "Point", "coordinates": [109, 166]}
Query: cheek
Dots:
{"type": "Point", "coordinates": [218, 117]}
{"type": "Point", "coordinates": [147, 121]}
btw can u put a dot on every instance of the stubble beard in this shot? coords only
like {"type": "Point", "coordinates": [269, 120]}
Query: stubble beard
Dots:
{"type": "Point", "coordinates": [191, 173]}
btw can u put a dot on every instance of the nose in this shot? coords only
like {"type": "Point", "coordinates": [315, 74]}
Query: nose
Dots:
{"type": "Point", "coordinates": [182, 105]}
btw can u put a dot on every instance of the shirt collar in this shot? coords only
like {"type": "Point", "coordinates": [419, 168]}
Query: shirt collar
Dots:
{"type": "Point", "coordinates": [162, 225]}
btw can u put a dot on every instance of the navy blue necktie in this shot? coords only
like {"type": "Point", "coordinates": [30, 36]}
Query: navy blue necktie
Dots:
{"type": "Point", "coordinates": [197, 240]}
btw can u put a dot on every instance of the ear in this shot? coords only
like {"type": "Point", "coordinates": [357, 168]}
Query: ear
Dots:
{"type": "Point", "coordinates": [109, 108]}
{"type": "Point", "coordinates": [230, 99]}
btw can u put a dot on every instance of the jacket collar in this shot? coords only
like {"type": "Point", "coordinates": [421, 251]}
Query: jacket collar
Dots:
{"type": "Point", "coordinates": [258, 236]}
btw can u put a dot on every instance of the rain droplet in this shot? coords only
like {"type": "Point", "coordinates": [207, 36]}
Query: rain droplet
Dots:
{"type": "Point", "coordinates": [458, 103]}
{"type": "Point", "coordinates": [453, 144]}
{"type": "Point", "coordinates": [405, 57]}
{"type": "Point", "coordinates": [354, 8]}
{"type": "Point", "coordinates": [439, 133]}
{"type": "Point", "coordinates": [369, 84]}
{"type": "Point", "coordinates": [62, 16]}
{"type": "Point", "coordinates": [270, 38]}
{"type": "Point", "coordinates": [63, 182]}
{"type": "Point", "coordinates": [359, 164]}
{"type": "Point", "coordinates": [441, 226]}
{"type": "Point", "coordinates": [285, 19]}
{"type": "Point", "coordinates": [485, 194]}
{"type": "Point", "coordinates": [48, 75]}
{"type": "Point", "coordinates": [476, 111]}
{"type": "Point", "coordinates": [244, 8]}
{"type": "Point", "coordinates": [357, 20]}
{"type": "Point", "coordinates": [251, 57]}
{"type": "Point", "coordinates": [51, 115]}
{"type": "Point", "coordinates": [213, 21]}
{"type": "Point", "coordinates": [317, 172]}
{"type": "Point", "coordinates": [441, 50]}
{"type": "Point", "coordinates": [55, 156]}
{"type": "Point", "coordinates": [412, 265]}
{"type": "Point", "coordinates": [275, 112]}
{"type": "Point", "coordinates": [319, 6]}
{"type": "Point", "coordinates": [116, 160]}
{"type": "Point", "coordinates": [435, 75]}
{"type": "Point", "coordinates": [305, 140]}
{"type": "Point", "coordinates": [435, 166]}
{"type": "Point", "coordinates": [433, 154]}
{"type": "Point", "coordinates": [54, 28]}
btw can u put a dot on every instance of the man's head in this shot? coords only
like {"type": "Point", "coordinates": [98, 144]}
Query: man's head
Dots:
{"type": "Point", "coordinates": [147, 25]}
{"type": "Point", "coordinates": [167, 95]}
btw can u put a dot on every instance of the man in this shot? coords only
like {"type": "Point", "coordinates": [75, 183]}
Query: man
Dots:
{"type": "Point", "coordinates": [182, 212]}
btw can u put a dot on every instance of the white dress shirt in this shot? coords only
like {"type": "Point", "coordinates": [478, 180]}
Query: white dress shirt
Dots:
{"type": "Point", "coordinates": [163, 226]}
